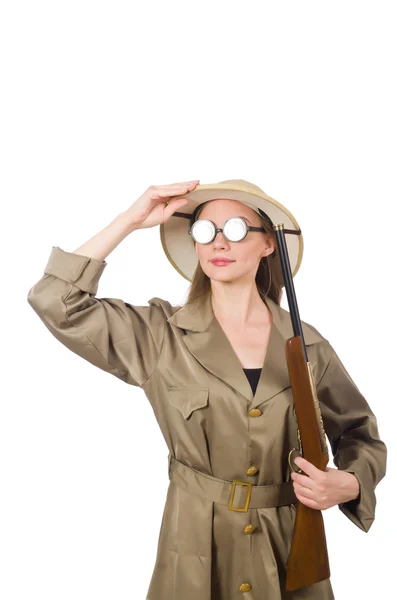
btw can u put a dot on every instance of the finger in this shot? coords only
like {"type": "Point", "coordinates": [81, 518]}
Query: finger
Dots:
{"type": "Point", "coordinates": [304, 491]}
{"type": "Point", "coordinates": [183, 184]}
{"type": "Point", "coordinates": [308, 501]}
{"type": "Point", "coordinates": [161, 193]}
{"type": "Point", "coordinates": [309, 469]}
{"type": "Point", "coordinates": [303, 480]}
{"type": "Point", "coordinates": [169, 209]}
{"type": "Point", "coordinates": [165, 197]}
{"type": "Point", "coordinates": [169, 193]}
{"type": "Point", "coordinates": [172, 205]}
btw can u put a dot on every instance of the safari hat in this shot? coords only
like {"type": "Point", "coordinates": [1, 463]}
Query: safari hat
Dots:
{"type": "Point", "coordinates": [178, 245]}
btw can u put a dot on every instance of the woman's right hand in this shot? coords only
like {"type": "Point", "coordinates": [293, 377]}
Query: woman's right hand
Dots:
{"type": "Point", "coordinates": [150, 209]}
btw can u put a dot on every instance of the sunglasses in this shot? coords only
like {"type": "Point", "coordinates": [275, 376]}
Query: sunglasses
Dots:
{"type": "Point", "coordinates": [235, 229]}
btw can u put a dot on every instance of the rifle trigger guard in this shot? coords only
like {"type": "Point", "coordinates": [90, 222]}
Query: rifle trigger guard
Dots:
{"type": "Point", "coordinates": [292, 465]}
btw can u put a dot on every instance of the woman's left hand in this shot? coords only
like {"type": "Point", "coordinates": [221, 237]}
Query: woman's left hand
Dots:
{"type": "Point", "coordinates": [323, 489]}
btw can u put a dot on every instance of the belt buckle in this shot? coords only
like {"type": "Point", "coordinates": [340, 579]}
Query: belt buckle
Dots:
{"type": "Point", "coordinates": [247, 499]}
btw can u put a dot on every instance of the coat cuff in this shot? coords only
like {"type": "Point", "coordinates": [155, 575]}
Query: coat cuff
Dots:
{"type": "Point", "coordinates": [361, 510]}
{"type": "Point", "coordinates": [82, 271]}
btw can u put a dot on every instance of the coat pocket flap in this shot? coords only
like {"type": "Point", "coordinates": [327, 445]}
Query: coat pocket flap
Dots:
{"type": "Point", "coordinates": [187, 400]}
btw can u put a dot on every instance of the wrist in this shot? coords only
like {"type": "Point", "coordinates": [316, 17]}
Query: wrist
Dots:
{"type": "Point", "coordinates": [355, 487]}
{"type": "Point", "coordinates": [129, 224]}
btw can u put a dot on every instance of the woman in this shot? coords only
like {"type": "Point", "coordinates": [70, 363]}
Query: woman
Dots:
{"type": "Point", "coordinates": [215, 373]}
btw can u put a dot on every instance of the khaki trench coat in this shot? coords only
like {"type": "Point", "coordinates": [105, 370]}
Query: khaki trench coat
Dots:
{"type": "Point", "coordinates": [203, 403]}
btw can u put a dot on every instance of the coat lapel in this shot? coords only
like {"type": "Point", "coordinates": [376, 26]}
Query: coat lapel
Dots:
{"type": "Point", "coordinates": [207, 342]}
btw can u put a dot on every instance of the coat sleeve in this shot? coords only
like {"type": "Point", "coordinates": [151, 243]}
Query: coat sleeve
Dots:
{"type": "Point", "coordinates": [115, 336]}
{"type": "Point", "coordinates": [352, 430]}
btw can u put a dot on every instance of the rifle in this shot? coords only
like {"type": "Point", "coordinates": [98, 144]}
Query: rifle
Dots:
{"type": "Point", "coordinates": [308, 557]}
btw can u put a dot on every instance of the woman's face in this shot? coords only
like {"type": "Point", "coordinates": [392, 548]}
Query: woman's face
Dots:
{"type": "Point", "coordinates": [245, 255]}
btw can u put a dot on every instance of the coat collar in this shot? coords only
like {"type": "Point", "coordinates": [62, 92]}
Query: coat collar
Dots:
{"type": "Point", "coordinates": [206, 340]}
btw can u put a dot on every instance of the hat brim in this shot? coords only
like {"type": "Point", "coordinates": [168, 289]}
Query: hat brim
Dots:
{"type": "Point", "coordinates": [179, 246]}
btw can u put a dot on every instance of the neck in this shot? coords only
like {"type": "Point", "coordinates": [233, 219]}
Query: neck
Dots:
{"type": "Point", "coordinates": [241, 306]}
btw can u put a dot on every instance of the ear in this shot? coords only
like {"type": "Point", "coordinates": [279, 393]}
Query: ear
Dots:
{"type": "Point", "coordinates": [270, 246]}
{"type": "Point", "coordinates": [267, 250]}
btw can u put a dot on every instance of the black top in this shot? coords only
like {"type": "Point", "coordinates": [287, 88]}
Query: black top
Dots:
{"type": "Point", "coordinates": [253, 377]}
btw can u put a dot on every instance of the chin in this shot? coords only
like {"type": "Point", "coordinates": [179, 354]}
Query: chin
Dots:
{"type": "Point", "coordinates": [220, 275]}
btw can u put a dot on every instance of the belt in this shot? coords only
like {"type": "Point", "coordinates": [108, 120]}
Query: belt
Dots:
{"type": "Point", "coordinates": [238, 495]}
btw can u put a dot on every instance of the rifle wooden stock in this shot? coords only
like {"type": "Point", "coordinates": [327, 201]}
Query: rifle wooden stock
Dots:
{"type": "Point", "coordinates": [308, 558]}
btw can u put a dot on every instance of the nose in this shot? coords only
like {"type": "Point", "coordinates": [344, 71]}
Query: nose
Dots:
{"type": "Point", "coordinates": [220, 239]}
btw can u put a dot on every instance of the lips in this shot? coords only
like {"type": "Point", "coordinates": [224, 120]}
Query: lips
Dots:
{"type": "Point", "coordinates": [221, 261]}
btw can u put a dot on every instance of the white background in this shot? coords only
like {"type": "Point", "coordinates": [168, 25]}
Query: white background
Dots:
{"type": "Point", "coordinates": [99, 100]}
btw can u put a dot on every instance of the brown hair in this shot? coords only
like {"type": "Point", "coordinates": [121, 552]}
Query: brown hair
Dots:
{"type": "Point", "coordinates": [201, 283]}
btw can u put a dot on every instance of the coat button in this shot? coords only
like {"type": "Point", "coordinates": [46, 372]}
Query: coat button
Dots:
{"type": "Point", "coordinates": [245, 587]}
{"type": "Point", "coordinates": [252, 471]}
{"type": "Point", "coordinates": [249, 528]}
{"type": "Point", "coordinates": [255, 412]}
